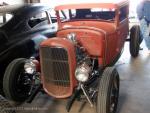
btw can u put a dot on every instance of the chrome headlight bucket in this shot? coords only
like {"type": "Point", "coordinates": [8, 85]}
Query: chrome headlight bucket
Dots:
{"type": "Point", "coordinates": [29, 67]}
{"type": "Point", "coordinates": [82, 72]}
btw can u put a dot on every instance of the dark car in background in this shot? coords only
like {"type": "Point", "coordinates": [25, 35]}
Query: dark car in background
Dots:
{"type": "Point", "coordinates": [22, 28]}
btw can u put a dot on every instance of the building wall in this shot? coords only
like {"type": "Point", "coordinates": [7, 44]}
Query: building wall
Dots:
{"type": "Point", "coordinates": [12, 1]}
{"type": "Point", "coordinates": [32, 1]}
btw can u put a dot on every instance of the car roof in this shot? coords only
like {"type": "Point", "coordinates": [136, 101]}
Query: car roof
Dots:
{"type": "Point", "coordinates": [23, 9]}
{"type": "Point", "coordinates": [77, 4]}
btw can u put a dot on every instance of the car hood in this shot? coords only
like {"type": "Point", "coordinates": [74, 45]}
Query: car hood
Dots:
{"type": "Point", "coordinates": [107, 27]}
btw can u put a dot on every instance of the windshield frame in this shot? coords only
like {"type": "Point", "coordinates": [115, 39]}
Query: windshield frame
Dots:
{"type": "Point", "coordinates": [85, 19]}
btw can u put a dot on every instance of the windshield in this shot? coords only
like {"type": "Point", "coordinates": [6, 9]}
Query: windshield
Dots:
{"type": "Point", "coordinates": [4, 18]}
{"type": "Point", "coordinates": [80, 14]}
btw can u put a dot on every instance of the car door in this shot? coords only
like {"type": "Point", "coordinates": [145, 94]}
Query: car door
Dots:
{"type": "Point", "coordinates": [123, 28]}
{"type": "Point", "coordinates": [3, 41]}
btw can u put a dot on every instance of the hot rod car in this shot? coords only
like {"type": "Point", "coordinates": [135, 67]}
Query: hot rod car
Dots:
{"type": "Point", "coordinates": [78, 62]}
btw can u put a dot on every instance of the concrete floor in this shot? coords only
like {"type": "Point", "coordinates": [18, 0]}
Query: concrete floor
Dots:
{"type": "Point", "coordinates": [134, 90]}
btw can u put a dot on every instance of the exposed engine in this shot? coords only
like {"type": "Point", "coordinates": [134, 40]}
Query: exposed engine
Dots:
{"type": "Point", "coordinates": [86, 69]}
{"type": "Point", "coordinates": [84, 62]}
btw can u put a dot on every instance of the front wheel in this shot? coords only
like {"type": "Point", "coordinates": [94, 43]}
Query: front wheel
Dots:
{"type": "Point", "coordinates": [16, 83]}
{"type": "Point", "coordinates": [108, 91]}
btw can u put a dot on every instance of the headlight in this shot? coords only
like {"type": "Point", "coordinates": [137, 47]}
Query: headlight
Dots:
{"type": "Point", "coordinates": [82, 72]}
{"type": "Point", "coordinates": [30, 67]}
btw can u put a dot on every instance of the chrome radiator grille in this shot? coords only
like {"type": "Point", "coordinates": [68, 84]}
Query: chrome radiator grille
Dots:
{"type": "Point", "coordinates": [55, 67]}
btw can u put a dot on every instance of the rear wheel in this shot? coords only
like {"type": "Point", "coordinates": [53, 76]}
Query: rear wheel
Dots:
{"type": "Point", "coordinates": [16, 83]}
{"type": "Point", "coordinates": [5, 106]}
{"type": "Point", "coordinates": [135, 40]}
{"type": "Point", "coordinates": [108, 91]}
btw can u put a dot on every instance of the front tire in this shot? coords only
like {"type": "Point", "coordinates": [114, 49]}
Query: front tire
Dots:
{"type": "Point", "coordinates": [108, 91]}
{"type": "Point", "coordinates": [13, 81]}
{"type": "Point", "coordinates": [135, 40]}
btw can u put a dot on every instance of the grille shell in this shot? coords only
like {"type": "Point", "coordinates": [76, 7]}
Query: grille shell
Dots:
{"type": "Point", "coordinates": [55, 70]}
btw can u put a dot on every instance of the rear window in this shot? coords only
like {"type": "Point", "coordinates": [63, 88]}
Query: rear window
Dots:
{"type": "Point", "coordinates": [94, 13]}
{"type": "Point", "coordinates": [4, 18]}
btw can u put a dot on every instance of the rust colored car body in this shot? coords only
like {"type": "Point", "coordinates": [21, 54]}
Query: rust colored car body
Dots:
{"type": "Point", "coordinates": [78, 62]}
{"type": "Point", "coordinates": [102, 39]}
